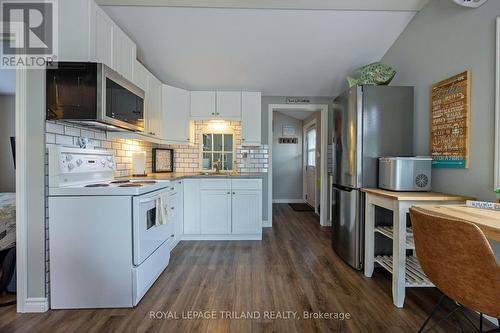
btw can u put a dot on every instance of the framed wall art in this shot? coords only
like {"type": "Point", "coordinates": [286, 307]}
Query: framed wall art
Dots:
{"type": "Point", "coordinates": [450, 122]}
{"type": "Point", "coordinates": [163, 160]}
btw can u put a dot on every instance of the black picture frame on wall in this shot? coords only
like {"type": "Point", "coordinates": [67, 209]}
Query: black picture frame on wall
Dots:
{"type": "Point", "coordinates": [163, 160]}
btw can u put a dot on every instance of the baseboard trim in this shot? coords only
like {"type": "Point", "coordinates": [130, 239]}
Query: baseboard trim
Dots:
{"type": "Point", "coordinates": [328, 224]}
{"type": "Point", "coordinates": [36, 305]}
{"type": "Point", "coordinates": [266, 224]}
{"type": "Point", "coordinates": [221, 237]}
{"type": "Point", "coordinates": [289, 201]}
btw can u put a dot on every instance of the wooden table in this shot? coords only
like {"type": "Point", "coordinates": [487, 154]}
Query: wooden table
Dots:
{"type": "Point", "coordinates": [487, 220]}
{"type": "Point", "coordinates": [406, 271]}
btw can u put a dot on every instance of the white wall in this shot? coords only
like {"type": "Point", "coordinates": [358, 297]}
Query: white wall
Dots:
{"type": "Point", "coordinates": [7, 129]}
{"type": "Point", "coordinates": [287, 160]}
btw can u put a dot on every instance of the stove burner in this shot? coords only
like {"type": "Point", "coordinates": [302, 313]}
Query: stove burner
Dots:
{"type": "Point", "coordinates": [130, 185]}
{"type": "Point", "coordinates": [97, 185]}
{"type": "Point", "coordinates": [120, 181]}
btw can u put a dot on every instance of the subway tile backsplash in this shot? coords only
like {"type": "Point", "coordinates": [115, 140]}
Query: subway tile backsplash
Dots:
{"type": "Point", "coordinates": [187, 157]}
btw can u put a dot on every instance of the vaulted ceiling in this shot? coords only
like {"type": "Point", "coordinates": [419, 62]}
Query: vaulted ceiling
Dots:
{"type": "Point", "coordinates": [282, 51]}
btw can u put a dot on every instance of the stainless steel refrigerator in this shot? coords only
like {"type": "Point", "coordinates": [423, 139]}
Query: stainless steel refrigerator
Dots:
{"type": "Point", "coordinates": [369, 122]}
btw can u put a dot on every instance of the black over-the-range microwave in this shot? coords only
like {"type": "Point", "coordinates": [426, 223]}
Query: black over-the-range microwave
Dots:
{"type": "Point", "coordinates": [93, 94]}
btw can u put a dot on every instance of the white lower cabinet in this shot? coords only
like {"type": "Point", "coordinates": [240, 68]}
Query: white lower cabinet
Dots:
{"type": "Point", "coordinates": [222, 209]}
{"type": "Point", "coordinates": [215, 212]}
{"type": "Point", "coordinates": [247, 211]}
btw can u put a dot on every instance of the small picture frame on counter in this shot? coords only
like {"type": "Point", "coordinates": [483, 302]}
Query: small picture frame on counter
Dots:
{"type": "Point", "coordinates": [163, 160]}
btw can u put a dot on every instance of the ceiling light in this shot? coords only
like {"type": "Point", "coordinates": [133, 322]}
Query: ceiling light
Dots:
{"type": "Point", "coordinates": [217, 125]}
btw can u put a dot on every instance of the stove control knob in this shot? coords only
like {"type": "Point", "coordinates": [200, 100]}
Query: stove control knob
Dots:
{"type": "Point", "coordinates": [69, 157]}
{"type": "Point", "coordinates": [103, 162]}
{"type": "Point", "coordinates": [79, 162]}
{"type": "Point", "coordinates": [111, 165]}
{"type": "Point", "coordinates": [110, 159]}
{"type": "Point", "coordinates": [71, 166]}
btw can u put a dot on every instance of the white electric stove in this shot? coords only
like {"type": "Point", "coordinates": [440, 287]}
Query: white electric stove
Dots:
{"type": "Point", "coordinates": [107, 244]}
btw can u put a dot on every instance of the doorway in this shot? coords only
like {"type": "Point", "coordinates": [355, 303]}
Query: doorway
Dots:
{"type": "Point", "coordinates": [296, 172]}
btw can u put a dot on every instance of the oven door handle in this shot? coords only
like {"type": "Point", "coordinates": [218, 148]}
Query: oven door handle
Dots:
{"type": "Point", "coordinates": [143, 201]}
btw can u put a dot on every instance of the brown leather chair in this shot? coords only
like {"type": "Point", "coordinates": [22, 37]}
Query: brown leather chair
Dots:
{"type": "Point", "coordinates": [456, 256]}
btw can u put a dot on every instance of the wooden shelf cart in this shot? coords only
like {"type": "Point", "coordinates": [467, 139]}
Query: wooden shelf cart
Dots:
{"type": "Point", "coordinates": [406, 271]}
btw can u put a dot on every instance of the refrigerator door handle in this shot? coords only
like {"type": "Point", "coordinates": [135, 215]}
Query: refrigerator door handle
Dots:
{"type": "Point", "coordinates": [343, 188]}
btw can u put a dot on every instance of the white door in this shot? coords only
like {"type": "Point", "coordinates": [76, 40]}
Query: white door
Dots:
{"type": "Point", "coordinates": [310, 165]}
{"type": "Point", "coordinates": [215, 212]}
{"type": "Point", "coordinates": [247, 212]}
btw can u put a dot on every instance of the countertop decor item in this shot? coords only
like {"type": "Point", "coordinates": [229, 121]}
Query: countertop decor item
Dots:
{"type": "Point", "coordinates": [163, 160]}
{"type": "Point", "coordinates": [376, 73]}
{"type": "Point", "coordinates": [497, 191]}
{"type": "Point", "coordinates": [450, 122]}
{"type": "Point", "coordinates": [138, 163]}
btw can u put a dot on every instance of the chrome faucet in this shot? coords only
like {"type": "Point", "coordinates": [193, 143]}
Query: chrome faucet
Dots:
{"type": "Point", "coordinates": [217, 166]}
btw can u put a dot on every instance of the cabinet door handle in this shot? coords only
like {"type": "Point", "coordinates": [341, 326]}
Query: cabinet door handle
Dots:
{"type": "Point", "coordinates": [213, 113]}
{"type": "Point", "coordinates": [228, 192]}
{"type": "Point", "coordinates": [172, 188]}
{"type": "Point", "coordinates": [179, 182]}
{"type": "Point", "coordinates": [172, 208]}
{"type": "Point", "coordinates": [234, 192]}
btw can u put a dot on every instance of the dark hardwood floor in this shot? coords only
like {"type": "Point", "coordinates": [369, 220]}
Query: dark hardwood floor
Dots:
{"type": "Point", "coordinates": [292, 269]}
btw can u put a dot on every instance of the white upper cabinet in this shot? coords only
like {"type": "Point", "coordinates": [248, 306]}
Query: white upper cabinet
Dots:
{"type": "Point", "coordinates": [203, 104]}
{"type": "Point", "coordinates": [175, 112]}
{"type": "Point", "coordinates": [153, 116]}
{"type": "Point", "coordinates": [224, 105]}
{"type": "Point", "coordinates": [124, 54]}
{"type": "Point", "coordinates": [229, 105]}
{"type": "Point", "coordinates": [141, 75]}
{"type": "Point", "coordinates": [103, 41]}
{"type": "Point", "coordinates": [251, 118]}
{"type": "Point", "coordinates": [87, 34]}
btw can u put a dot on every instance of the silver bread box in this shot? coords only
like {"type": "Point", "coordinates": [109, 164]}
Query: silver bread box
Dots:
{"type": "Point", "coordinates": [405, 173]}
